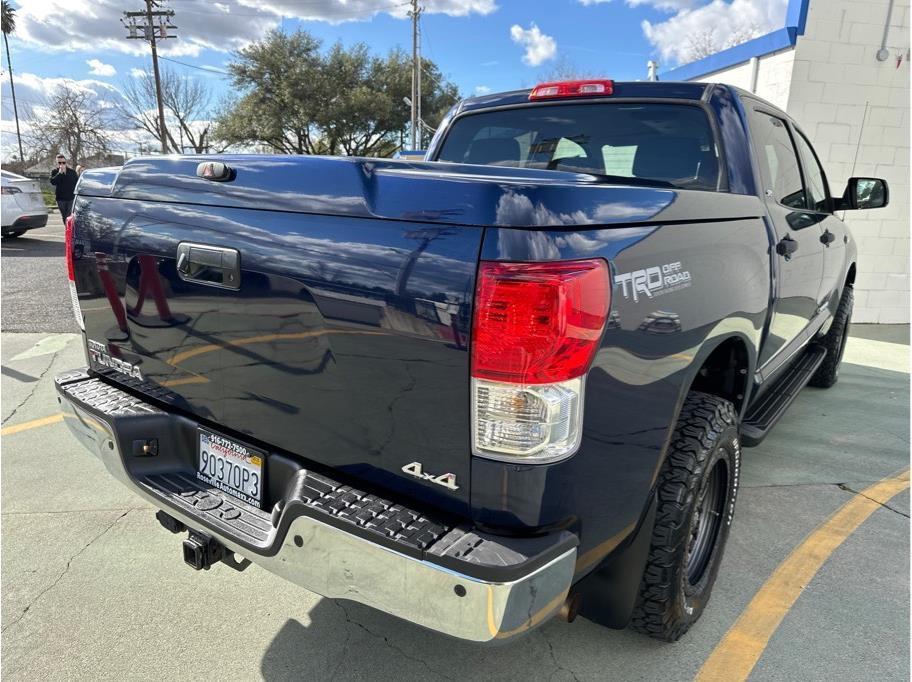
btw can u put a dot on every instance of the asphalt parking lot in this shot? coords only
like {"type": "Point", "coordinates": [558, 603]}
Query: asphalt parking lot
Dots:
{"type": "Point", "coordinates": [93, 588]}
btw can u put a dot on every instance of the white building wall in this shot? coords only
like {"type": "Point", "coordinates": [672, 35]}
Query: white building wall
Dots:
{"type": "Point", "coordinates": [855, 110]}
{"type": "Point", "coordinates": [774, 76]}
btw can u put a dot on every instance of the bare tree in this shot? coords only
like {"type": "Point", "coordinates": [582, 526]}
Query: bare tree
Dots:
{"type": "Point", "coordinates": [188, 106]}
{"type": "Point", "coordinates": [73, 122]}
{"type": "Point", "coordinates": [565, 70]}
{"type": "Point", "coordinates": [706, 42]}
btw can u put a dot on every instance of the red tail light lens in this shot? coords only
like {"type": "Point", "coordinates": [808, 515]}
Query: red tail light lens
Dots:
{"type": "Point", "coordinates": [68, 245]}
{"type": "Point", "coordinates": [71, 269]}
{"type": "Point", "coordinates": [538, 323]}
{"type": "Point", "coordinates": [581, 88]}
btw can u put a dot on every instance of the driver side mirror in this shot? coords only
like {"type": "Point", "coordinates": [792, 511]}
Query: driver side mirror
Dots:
{"type": "Point", "coordinates": [864, 193]}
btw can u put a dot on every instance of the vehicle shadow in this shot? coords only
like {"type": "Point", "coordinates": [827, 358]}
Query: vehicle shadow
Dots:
{"type": "Point", "coordinates": [29, 247]}
{"type": "Point", "coordinates": [345, 640]}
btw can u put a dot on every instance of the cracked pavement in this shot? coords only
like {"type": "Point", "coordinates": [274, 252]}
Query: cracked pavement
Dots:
{"type": "Point", "coordinates": [94, 588]}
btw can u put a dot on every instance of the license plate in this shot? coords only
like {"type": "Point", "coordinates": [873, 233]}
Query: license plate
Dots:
{"type": "Point", "coordinates": [230, 466]}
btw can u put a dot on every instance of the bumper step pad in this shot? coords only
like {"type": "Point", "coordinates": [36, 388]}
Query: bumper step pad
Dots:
{"type": "Point", "coordinates": [374, 518]}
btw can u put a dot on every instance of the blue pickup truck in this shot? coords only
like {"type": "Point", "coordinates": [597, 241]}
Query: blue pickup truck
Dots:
{"type": "Point", "coordinates": [506, 383]}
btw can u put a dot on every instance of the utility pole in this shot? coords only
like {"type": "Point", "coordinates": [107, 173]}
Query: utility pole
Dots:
{"type": "Point", "coordinates": [13, 90]}
{"type": "Point", "coordinates": [415, 14]}
{"type": "Point", "coordinates": [147, 31]}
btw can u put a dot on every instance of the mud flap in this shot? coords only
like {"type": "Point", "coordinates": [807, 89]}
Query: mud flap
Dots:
{"type": "Point", "coordinates": [609, 593]}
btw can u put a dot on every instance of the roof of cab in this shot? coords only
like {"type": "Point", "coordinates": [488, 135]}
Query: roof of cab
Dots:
{"type": "Point", "coordinates": [657, 89]}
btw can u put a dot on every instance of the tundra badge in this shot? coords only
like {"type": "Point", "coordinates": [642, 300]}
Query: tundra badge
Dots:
{"type": "Point", "coordinates": [99, 354]}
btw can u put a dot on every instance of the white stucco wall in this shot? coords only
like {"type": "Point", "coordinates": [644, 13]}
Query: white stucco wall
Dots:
{"type": "Point", "coordinates": [855, 110]}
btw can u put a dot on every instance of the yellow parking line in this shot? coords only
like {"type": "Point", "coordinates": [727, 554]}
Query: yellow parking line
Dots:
{"type": "Point", "coordinates": [262, 338]}
{"type": "Point", "coordinates": [736, 655]}
{"type": "Point", "coordinates": [185, 380]}
{"type": "Point", "coordinates": [34, 424]}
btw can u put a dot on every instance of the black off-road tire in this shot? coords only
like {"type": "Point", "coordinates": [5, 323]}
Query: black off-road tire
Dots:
{"type": "Point", "coordinates": [674, 590]}
{"type": "Point", "coordinates": [834, 341]}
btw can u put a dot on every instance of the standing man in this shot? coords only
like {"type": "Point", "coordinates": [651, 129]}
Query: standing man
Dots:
{"type": "Point", "coordinates": [64, 180]}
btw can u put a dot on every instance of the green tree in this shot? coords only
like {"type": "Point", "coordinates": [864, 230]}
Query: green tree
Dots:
{"type": "Point", "coordinates": [8, 20]}
{"type": "Point", "coordinates": [296, 99]}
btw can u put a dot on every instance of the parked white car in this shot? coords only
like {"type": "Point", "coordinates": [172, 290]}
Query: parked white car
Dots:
{"type": "Point", "coordinates": [22, 204]}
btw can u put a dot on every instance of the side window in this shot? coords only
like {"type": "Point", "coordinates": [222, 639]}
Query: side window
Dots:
{"type": "Point", "coordinates": [818, 196]}
{"type": "Point", "coordinates": [778, 161]}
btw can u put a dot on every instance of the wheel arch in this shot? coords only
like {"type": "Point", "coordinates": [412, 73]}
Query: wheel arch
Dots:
{"type": "Point", "coordinates": [724, 368]}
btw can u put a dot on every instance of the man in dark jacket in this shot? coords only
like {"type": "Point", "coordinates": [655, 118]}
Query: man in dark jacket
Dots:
{"type": "Point", "coordinates": [64, 180]}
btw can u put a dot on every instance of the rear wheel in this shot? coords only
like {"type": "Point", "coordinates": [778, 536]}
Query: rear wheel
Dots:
{"type": "Point", "coordinates": [834, 341]}
{"type": "Point", "coordinates": [696, 499]}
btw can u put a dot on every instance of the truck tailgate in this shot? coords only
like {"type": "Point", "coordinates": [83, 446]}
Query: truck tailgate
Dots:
{"type": "Point", "coordinates": [339, 339]}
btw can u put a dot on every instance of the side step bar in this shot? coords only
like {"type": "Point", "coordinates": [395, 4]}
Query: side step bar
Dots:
{"type": "Point", "coordinates": [762, 417]}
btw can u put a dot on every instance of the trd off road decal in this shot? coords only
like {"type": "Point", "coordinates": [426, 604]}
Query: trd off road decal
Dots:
{"type": "Point", "coordinates": [654, 281]}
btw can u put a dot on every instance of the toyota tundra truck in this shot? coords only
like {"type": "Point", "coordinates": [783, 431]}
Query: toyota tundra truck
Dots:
{"type": "Point", "coordinates": [509, 382]}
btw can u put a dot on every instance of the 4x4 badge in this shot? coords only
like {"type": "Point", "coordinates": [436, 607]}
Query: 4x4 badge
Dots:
{"type": "Point", "coordinates": [446, 480]}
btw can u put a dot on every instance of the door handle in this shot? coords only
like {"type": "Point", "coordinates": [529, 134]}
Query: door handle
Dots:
{"type": "Point", "coordinates": [786, 247]}
{"type": "Point", "coordinates": [827, 237]}
{"type": "Point", "coordinates": [214, 266]}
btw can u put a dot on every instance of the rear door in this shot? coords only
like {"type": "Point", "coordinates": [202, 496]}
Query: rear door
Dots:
{"type": "Point", "coordinates": [797, 258]}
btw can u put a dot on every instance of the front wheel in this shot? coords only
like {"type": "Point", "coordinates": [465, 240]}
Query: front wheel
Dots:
{"type": "Point", "coordinates": [696, 499]}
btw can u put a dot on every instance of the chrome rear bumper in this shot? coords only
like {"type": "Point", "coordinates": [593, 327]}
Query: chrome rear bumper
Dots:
{"type": "Point", "coordinates": [462, 598]}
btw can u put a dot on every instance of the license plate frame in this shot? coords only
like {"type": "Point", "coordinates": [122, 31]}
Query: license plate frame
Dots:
{"type": "Point", "coordinates": [231, 466]}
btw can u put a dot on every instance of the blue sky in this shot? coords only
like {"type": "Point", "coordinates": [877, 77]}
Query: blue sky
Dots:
{"type": "Point", "coordinates": [480, 45]}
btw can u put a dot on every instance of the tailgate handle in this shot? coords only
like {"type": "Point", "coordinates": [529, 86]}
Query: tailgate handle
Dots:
{"type": "Point", "coordinates": [214, 266]}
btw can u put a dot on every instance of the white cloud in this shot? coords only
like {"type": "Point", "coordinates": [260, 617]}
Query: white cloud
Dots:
{"type": "Point", "coordinates": [338, 11]}
{"type": "Point", "coordinates": [482, 89]}
{"type": "Point", "coordinates": [34, 89]}
{"type": "Point", "coordinates": [33, 93]}
{"type": "Point", "coordinates": [665, 5]}
{"type": "Point", "coordinates": [137, 73]}
{"type": "Point", "coordinates": [715, 26]}
{"type": "Point", "coordinates": [539, 46]}
{"type": "Point", "coordinates": [93, 25]}
{"type": "Point", "coordinates": [99, 68]}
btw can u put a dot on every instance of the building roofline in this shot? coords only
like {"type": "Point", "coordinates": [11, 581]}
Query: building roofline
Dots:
{"type": "Point", "coordinates": [780, 39]}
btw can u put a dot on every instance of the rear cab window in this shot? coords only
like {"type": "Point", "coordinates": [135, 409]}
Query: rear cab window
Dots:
{"type": "Point", "coordinates": [667, 145]}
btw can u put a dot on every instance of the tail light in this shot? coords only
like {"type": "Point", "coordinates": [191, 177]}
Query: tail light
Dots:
{"type": "Point", "coordinates": [69, 245]}
{"type": "Point", "coordinates": [536, 329]}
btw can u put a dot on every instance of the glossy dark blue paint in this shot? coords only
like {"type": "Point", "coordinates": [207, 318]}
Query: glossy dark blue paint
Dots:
{"type": "Point", "coordinates": [345, 343]}
{"type": "Point", "coordinates": [642, 371]}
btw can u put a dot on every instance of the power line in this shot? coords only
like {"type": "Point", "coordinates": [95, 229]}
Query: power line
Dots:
{"type": "Point", "coordinates": [210, 69]}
